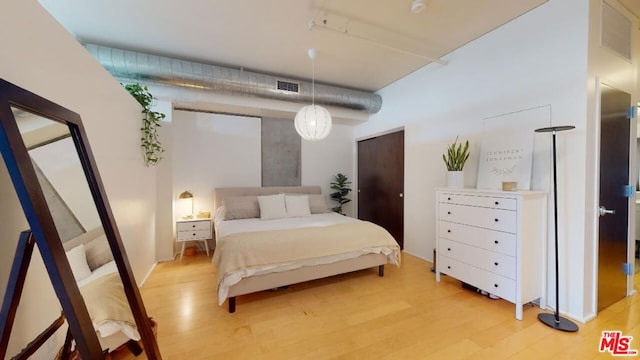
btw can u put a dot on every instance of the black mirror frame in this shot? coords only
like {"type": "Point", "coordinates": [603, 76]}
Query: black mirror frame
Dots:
{"type": "Point", "coordinates": [39, 217]}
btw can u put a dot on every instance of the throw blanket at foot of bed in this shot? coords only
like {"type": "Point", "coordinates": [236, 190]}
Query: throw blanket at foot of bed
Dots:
{"type": "Point", "coordinates": [245, 254]}
{"type": "Point", "coordinates": [108, 306]}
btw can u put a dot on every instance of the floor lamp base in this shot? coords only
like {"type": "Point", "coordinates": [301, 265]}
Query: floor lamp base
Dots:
{"type": "Point", "coordinates": [562, 325]}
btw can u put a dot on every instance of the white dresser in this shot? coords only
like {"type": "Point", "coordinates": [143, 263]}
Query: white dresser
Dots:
{"type": "Point", "coordinates": [193, 230]}
{"type": "Point", "coordinates": [493, 240]}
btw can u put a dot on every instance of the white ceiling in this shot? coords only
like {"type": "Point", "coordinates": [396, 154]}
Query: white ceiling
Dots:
{"type": "Point", "coordinates": [272, 36]}
{"type": "Point", "coordinates": [632, 5]}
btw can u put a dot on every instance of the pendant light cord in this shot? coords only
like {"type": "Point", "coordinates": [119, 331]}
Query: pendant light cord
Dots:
{"type": "Point", "coordinates": [313, 81]}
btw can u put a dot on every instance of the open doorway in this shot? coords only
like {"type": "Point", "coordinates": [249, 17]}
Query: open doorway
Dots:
{"type": "Point", "coordinates": [615, 194]}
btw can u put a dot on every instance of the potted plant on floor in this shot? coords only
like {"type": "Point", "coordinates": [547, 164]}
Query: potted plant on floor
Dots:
{"type": "Point", "coordinates": [455, 158]}
{"type": "Point", "coordinates": [341, 186]}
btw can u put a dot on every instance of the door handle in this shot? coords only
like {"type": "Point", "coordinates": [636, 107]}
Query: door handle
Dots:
{"type": "Point", "coordinates": [401, 194]}
{"type": "Point", "coordinates": [604, 211]}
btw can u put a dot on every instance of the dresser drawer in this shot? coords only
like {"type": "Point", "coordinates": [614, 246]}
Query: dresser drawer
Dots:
{"type": "Point", "coordinates": [461, 252]}
{"type": "Point", "coordinates": [495, 202]}
{"type": "Point", "coordinates": [494, 262]}
{"type": "Point", "coordinates": [500, 264]}
{"type": "Point", "coordinates": [461, 271]}
{"type": "Point", "coordinates": [495, 219]}
{"type": "Point", "coordinates": [497, 241]}
{"type": "Point", "coordinates": [482, 279]}
{"type": "Point", "coordinates": [193, 225]}
{"type": "Point", "coordinates": [193, 235]}
{"type": "Point", "coordinates": [500, 286]}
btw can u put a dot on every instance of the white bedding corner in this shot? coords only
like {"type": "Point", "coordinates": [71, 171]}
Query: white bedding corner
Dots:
{"type": "Point", "coordinates": [109, 328]}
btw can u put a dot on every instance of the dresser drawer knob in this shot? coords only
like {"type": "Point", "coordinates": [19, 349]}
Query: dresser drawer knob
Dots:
{"type": "Point", "coordinates": [449, 198]}
{"type": "Point", "coordinates": [496, 241]}
{"type": "Point", "coordinates": [448, 249]}
{"type": "Point", "coordinates": [448, 231]}
{"type": "Point", "coordinates": [497, 203]}
{"type": "Point", "coordinates": [449, 267]}
{"type": "Point", "coordinates": [193, 226]}
{"type": "Point", "coordinates": [448, 212]}
{"type": "Point", "coordinates": [194, 234]}
{"type": "Point", "coordinates": [496, 220]}
{"type": "Point", "coordinates": [495, 263]}
{"type": "Point", "coordinates": [495, 285]}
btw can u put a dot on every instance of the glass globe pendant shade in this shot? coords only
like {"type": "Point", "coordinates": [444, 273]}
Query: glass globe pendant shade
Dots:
{"type": "Point", "coordinates": [313, 122]}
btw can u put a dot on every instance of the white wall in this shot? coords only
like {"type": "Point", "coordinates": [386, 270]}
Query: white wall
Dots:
{"type": "Point", "coordinates": [212, 150]}
{"type": "Point", "coordinates": [164, 186]}
{"type": "Point", "coordinates": [322, 160]}
{"type": "Point", "coordinates": [215, 150]}
{"type": "Point", "coordinates": [39, 55]}
{"type": "Point", "coordinates": [538, 59]}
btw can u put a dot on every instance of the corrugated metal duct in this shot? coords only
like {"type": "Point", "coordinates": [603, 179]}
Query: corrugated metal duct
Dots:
{"type": "Point", "coordinates": [137, 66]}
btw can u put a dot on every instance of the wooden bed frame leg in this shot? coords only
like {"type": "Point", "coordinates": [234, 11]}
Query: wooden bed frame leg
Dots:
{"type": "Point", "coordinates": [381, 270]}
{"type": "Point", "coordinates": [232, 304]}
{"type": "Point", "coordinates": [134, 347]}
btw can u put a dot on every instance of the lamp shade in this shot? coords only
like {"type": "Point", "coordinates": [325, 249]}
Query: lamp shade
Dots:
{"type": "Point", "coordinates": [186, 198]}
{"type": "Point", "coordinates": [185, 195]}
{"type": "Point", "coordinates": [313, 122]}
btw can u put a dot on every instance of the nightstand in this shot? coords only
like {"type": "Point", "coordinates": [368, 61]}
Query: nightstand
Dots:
{"type": "Point", "coordinates": [193, 230]}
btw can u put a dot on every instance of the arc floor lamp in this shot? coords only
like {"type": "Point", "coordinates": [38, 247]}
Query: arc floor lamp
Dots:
{"type": "Point", "coordinates": [555, 320]}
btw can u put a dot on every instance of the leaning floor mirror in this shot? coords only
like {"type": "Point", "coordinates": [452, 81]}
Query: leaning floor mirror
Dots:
{"type": "Point", "coordinates": [46, 152]}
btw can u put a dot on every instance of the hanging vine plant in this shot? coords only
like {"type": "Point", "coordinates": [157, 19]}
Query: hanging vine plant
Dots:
{"type": "Point", "coordinates": [150, 123]}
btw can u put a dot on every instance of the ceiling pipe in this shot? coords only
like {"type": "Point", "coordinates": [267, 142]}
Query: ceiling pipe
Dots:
{"type": "Point", "coordinates": [134, 66]}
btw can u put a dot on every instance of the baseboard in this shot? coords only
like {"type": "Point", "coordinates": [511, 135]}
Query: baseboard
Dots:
{"type": "Point", "coordinates": [418, 256]}
{"type": "Point", "coordinates": [572, 317]}
{"type": "Point", "coordinates": [147, 275]}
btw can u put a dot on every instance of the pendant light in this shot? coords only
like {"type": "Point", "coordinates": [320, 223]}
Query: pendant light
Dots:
{"type": "Point", "coordinates": [313, 122]}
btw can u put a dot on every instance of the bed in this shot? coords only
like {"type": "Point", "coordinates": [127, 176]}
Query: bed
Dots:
{"type": "Point", "coordinates": [259, 248]}
{"type": "Point", "coordinates": [101, 287]}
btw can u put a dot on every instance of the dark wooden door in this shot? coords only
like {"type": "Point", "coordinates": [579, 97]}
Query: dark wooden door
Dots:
{"type": "Point", "coordinates": [615, 127]}
{"type": "Point", "coordinates": [381, 182]}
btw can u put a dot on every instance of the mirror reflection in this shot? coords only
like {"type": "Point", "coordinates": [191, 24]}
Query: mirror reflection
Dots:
{"type": "Point", "coordinates": [64, 185]}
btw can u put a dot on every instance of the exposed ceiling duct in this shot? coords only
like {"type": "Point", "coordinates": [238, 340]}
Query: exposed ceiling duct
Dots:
{"type": "Point", "coordinates": [130, 65]}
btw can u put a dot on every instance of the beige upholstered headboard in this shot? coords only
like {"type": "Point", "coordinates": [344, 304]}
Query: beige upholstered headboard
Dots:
{"type": "Point", "coordinates": [96, 247]}
{"type": "Point", "coordinates": [221, 193]}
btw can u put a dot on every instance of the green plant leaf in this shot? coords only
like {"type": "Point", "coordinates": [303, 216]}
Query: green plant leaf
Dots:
{"type": "Point", "coordinates": [340, 184]}
{"type": "Point", "coordinates": [456, 155]}
{"type": "Point", "coordinates": [150, 123]}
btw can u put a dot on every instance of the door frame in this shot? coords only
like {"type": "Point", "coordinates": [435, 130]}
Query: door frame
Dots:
{"type": "Point", "coordinates": [631, 200]}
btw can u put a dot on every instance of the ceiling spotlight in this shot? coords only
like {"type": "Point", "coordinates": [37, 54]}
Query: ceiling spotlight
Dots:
{"type": "Point", "coordinates": [418, 6]}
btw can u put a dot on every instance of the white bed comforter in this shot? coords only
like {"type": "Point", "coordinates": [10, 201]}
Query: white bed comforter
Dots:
{"type": "Point", "coordinates": [257, 263]}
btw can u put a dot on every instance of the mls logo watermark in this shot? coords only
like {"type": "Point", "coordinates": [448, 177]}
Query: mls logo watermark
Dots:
{"type": "Point", "coordinates": [617, 344]}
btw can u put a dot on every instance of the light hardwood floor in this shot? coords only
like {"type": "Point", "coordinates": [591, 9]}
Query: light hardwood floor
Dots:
{"type": "Point", "coordinates": [404, 315]}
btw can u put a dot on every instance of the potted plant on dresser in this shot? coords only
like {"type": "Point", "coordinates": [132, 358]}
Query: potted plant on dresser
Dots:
{"type": "Point", "coordinates": [455, 158]}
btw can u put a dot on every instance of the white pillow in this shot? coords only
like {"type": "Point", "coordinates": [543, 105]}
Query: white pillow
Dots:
{"type": "Point", "coordinates": [318, 204]}
{"type": "Point", "coordinates": [297, 205]}
{"type": "Point", "coordinates": [78, 262]}
{"type": "Point", "coordinates": [272, 207]}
